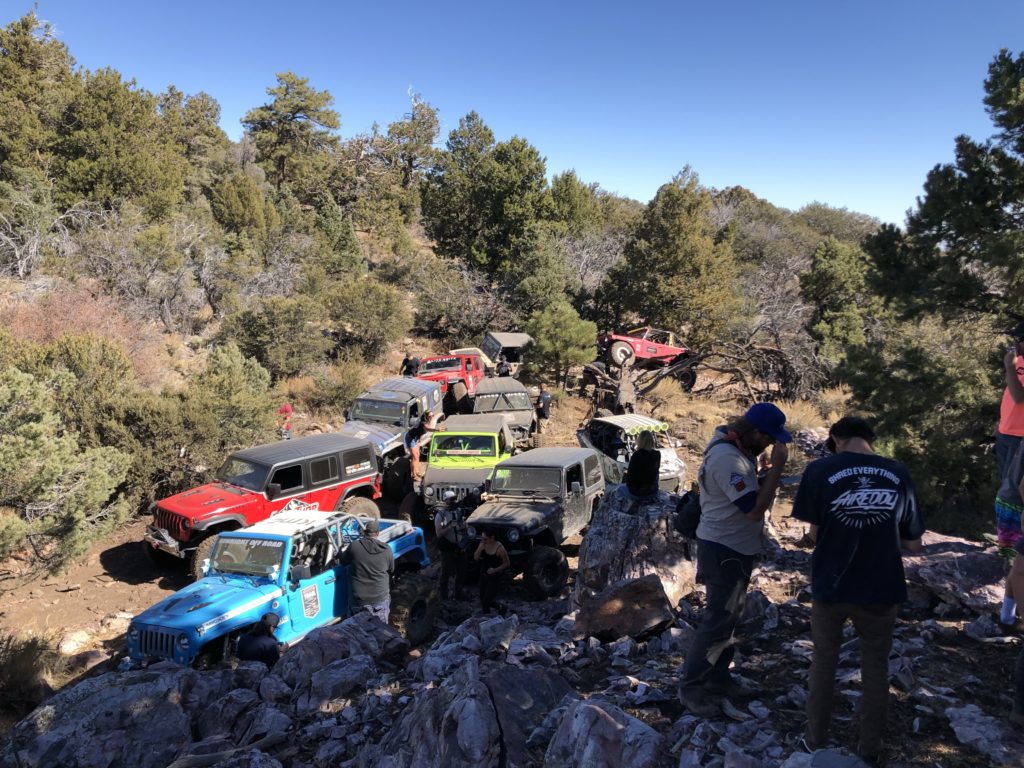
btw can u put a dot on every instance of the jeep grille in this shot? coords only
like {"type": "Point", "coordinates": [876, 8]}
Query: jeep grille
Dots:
{"type": "Point", "coordinates": [155, 642]}
{"type": "Point", "coordinates": [172, 523]}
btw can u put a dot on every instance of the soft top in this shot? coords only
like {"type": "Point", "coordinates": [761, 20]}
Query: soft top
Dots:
{"type": "Point", "coordinates": [511, 339]}
{"type": "Point", "coordinates": [499, 385]}
{"type": "Point", "coordinates": [298, 448]}
{"type": "Point", "coordinates": [475, 423]}
{"type": "Point", "coordinates": [295, 521]}
{"type": "Point", "coordinates": [386, 389]}
{"type": "Point", "coordinates": [548, 457]}
{"type": "Point", "coordinates": [633, 423]}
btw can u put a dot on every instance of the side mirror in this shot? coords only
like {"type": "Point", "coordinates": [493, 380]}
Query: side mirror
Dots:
{"type": "Point", "coordinates": [273, 491]}
{"type": "Point", "coordinates": [298, 572]}
{"type": "Point", "coordinates": [576, 489]}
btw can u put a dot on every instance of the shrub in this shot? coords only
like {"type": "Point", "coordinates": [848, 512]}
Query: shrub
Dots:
{"type": "Point", "coordinates": [26, 667]}
{"type": "Point", "coordinates": [367, 315]}
{"type": "Point", "coordinates": [285, 334]}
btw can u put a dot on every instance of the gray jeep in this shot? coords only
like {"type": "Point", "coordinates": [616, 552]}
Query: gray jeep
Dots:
{"type": "Point", "coordinates": [382, 415]}
{"type": "Point", "coordinates": [533, 503]}
{"type": "Point", "coordinates": [506, 397]}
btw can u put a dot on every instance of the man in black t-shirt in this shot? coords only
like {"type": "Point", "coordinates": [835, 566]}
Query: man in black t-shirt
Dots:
{"type": "Point", "coordinates": [259, 643]}
{"type": "Point", "coordinates": [862, 510]}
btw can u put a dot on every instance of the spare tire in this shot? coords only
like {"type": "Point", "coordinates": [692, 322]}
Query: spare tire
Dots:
{"type": "Point", "coordinates": [414, 607]}
{"type": "Point", "coordinates": [620, 353]}
{"type": "Point", "coordinates": [461, 396]}
{"type": "Point", "coordinates": [545, 572]}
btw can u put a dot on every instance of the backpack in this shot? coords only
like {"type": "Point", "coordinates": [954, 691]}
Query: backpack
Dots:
{"type": "Point", "coordinates": [687, 516]}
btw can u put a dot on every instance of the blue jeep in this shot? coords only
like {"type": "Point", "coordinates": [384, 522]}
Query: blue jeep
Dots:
{"type": "Point", "coordinates": [288, 565]}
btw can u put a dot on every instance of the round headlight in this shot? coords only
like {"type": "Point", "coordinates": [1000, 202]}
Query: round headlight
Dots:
{"type": "Point", "coordinates": [183, 641]}
{"type": "Point", "coordinates": [428, 491]}
{"type": "Point", "coordinates": [133, 632]}
{"type": "Point", "coordinates": [513, 535]}
{"type": "Point", "coordinates": [471, 531]}
{"type": "Point", "coordinates": [187, 523]}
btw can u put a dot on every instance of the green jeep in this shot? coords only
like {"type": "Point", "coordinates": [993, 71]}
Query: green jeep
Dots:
{"type": "Point", "coordinates": [462, 456]}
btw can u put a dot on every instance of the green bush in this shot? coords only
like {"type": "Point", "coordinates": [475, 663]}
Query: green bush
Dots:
{"type": "Point", "coordinates": [367, 315]}
{"type": "Point", "coordinates": [284, 333]}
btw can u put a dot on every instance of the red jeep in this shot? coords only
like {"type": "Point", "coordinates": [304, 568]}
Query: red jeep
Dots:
{"type": "Point", "coordinates": [331, 471]}
{"type": "Point", "coordinates": [647, 347]}
{"type": "Point", "coordinates": [458, 376]}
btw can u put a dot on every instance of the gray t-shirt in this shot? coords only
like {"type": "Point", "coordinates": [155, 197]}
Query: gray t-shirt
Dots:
{"type": "Point", "coordinates": [726, 475]}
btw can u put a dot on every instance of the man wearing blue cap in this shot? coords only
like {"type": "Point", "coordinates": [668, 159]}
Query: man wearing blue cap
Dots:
{"type": "Point", "coordinates": [733, 504]}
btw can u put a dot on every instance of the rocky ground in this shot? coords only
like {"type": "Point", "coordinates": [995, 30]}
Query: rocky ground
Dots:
{"type": "Point", "coordinates": [537, 687]}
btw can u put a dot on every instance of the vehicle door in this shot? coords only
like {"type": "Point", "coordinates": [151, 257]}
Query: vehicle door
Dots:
{"type": "Point", "coordinates": [324, 481]}
{"type": "Point", "coordinates": [312, 600]}
{"type": "Point", "coordinates": [358, 468]}
{"type": "Point", "coordinates": [470, 376]}
{"type": "Point", "coordinates": [593, 488]}
{"type": "Point", "coordinates": [576, 513]}
{"type": "Point", "coordinates": [290, 484]}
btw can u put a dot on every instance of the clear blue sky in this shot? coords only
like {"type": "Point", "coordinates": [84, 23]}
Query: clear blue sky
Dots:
{"type": "Point", "coordinates": [848, 104]}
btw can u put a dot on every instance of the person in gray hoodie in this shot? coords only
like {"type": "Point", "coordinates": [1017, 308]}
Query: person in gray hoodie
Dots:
{"type": "Point", "coordinates": [371, 566]}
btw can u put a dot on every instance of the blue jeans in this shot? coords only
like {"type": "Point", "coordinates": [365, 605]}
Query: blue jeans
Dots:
{"type": "Point", "coordinates": [1006, 447]}
{"type": "Point", "coordinates": [381, 610]}
{"type": "Point", "coordinates": [726, 574]}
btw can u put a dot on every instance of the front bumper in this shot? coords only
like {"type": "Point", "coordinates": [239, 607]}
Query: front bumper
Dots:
{"type": "Point", "coordinates": [159, 538]}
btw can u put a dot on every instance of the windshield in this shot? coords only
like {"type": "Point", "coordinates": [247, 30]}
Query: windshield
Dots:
{"type": "Point", "coordinates": [251, 556]}
{"type": "Point", "coordinates": [502, 401]}
{"type": "Point", "coordinates": [441, 364]}
{"type": "Point", "coordinates": [542, 480]}
{"type": "Point", "coordinates": [463, 445]}
{"type": "Point", "coordinates": [244, 474]}
{"type": "Point", "coordinates": [491, 348]}
{"type": "Point", "coordinates": [378, 410]}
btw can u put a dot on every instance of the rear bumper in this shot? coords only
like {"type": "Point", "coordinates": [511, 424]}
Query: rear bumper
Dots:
{"type": "Point", "coordinates": [159, 538]}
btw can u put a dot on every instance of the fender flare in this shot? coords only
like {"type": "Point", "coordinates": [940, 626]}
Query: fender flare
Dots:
{"type": "Point", "coordinates": [205, 525]}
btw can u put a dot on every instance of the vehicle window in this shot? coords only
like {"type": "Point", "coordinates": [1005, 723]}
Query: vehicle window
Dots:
{"type": "Point", "coordinates": [573, 475]}
{"type": "Point", "coordinates": [502, 443]}
{"type": "Point", "coordinates": [244, 474]}
{"type": "Point", "coordinates": [593, 471]}
{"type": "Point", "coordinates": [377, 410]}
{"type": "Point", "coordinates": [527, 480]}
{"type": "Point", "coordinates": [289, 478]}
{"type": "Point", "coordinates": [491, 348]}
{"type": "Point", "coordinates": [440, 364]}
{"type": "Point", "coordinates": [414, 410]}
{"type": "Point", "coordinates": [462, 445]}
{"type": "Point", "coordinates": [323, 470]}
{"type": "Point", "coordinates": [359, 461]}
{"type": "Point", "coordinates": [251, 556]}
{"type": "Point", "coordinates": [469, 364]}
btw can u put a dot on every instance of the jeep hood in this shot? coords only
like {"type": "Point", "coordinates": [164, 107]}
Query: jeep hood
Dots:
{"type": "Point", "coordinates": [382, 436]}
{"type": "Point", "coordinates": [208, 602]}
{"type": "Point", "coordinates": [207, 500]}
{"type": "Point", "coordinates": [514, 419]}
{"type": "Point", "coordinates": [457, 476]}
{"type": "Point", "coordinates": [671, 465]}
{"type": "Point", "coordinates": [522, 514]}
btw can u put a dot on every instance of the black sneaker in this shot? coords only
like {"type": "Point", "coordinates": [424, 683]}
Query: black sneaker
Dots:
{"type": "Point", "coordinates": [699, 707]}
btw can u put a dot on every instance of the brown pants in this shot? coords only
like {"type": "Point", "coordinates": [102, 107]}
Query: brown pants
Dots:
{"type": "Point", "coordinates": [874, 625]}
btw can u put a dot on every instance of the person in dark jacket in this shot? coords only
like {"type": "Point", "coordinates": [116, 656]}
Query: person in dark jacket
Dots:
{"type": "Point", "coordinates": [410, 365]}
{"type": "Point", "coordinates": [371, 566]}
{"type": "Point", "coordinates": [644, 466]}
{"type": "Point", "coordinates": [259, 643]}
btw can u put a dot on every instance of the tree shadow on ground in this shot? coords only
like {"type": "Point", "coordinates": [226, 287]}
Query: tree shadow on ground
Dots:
{"type": "Point", "coordinates": [128, 563]}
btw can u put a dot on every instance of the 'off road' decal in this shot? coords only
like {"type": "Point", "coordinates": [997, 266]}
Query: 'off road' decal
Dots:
{"type": "Point", "coordinates": [310, 602]}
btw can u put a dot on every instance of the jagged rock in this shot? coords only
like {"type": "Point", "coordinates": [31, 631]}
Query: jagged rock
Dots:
{"type": "Point", "coordinates": [249, 758]}
{"type": "Point", "coordinates": [522, 698]}
{"type": "Point", "coordinates": [497, 633]}
{"type": "Point", "coordinates": [600, 735]}
{"type": "Point", "coordinates": [219, 718]}
{"type": "Point", "coordinates": [677, 639]}
{"type": "Point", "coordinates": [337, 679]}
{"type": "Point", "coordinates": [982, 627]}
{"type": "Point", "coordinates": [274, 690]}
{"type": "Point", "coordinates": [73, 642]}
{"type": "Point", "coordinates": [738, 759]}
{"type": "Point", "coordinates": [627, 540]}
{"type": "Point", "coordinates": [986, 734]}
{"type": "Point", "coordinates": [259, 722]}
{"type": "Point", "coordinates": [959, 572]}
{"type": "Point", "coordinates": [470, 735]}
{"type": "Point", "coordinates": [633, 607]}
{"type": "Point", "coordinates": [361, 635]}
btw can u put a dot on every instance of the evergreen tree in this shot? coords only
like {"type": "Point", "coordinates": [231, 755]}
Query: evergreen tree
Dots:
{"type": "Point", "coordinates": [575, 205]}
{"type": "Point", "coordinates": [561, 339]}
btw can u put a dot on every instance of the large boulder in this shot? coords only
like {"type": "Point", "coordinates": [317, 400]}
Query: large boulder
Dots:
{"type": "Point", "coordinates": [635, 608]}
{"type": "Point", "coordinates": [596, 734]}
{"type": "Point", "coordinates": [959, 572]}
{"type": "Point", "coordinates": [522, 698]}
{"type": "Point", "coordinates": [629, 539]}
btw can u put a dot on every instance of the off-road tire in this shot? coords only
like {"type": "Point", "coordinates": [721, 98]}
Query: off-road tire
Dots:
{"type": "Point", "coordinates": [620, 354]}
{"type": "Point", "coordinates": [461, 396]}
{"type": "Point", "coordinates": [545, 572]}
{"type": "Point", "coordinates": [414, 607]}
{"type": "Point", "coordinates": [687, 378]}
{"type": "Point", "coordinates": [397, 480]}
{"type": "Point", "coordinates": [412, 508]}
{"type": "Point", "coordinates": [359, 506]}
{"type": "Point", "coordinates": [540, 440]}
{"type": "Point", "coordinates": [158, 557]}
{"type": "Point", "coordinates": [202, 552]}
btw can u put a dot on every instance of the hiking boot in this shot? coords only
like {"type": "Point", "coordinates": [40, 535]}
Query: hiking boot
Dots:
{"type": "Point", "coordinates": [699, 706]}
{"type": "Point", "coordinates": [729, 686]}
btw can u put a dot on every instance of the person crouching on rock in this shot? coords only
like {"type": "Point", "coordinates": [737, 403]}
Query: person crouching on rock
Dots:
{"type": "Point", "coordinates": [259, 643]}
{"type": "Point", "coordinates": [493, 563]}
{"type": "Point", "coordinates": [733, 506]}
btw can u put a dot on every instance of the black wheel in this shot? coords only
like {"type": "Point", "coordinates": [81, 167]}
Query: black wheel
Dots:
{"type": "Point", "coordinates": [158, 557]}
{"type": "Point", "coordinates": [359, 506]}
{"type": "Point", "coordinates": [198, 555]}
{"type": "Point", "coordinates": [414, 607]}
{"type": "Point", "coordinates": [620, 353]}
{"type": "Point", "coordinates": [687, 378]}
{"type": "Point", "coordinates": [546, 572]}
{"type": "Point", "coordinates": [461, 396]}
{"type": "Point", "coordinates": [397, 480]}
{"type": "Point", "coordinates": [412, 507]}
{"type": "Point", "coordinates": [540, 441]}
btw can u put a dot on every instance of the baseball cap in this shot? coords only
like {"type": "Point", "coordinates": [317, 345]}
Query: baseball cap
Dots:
{"type": "Point", "coordinates": [371, 525]}
{"type": "Point", "coordinates": [448, 495]}
{"type": "Point", "coordinates": [767, 418]}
